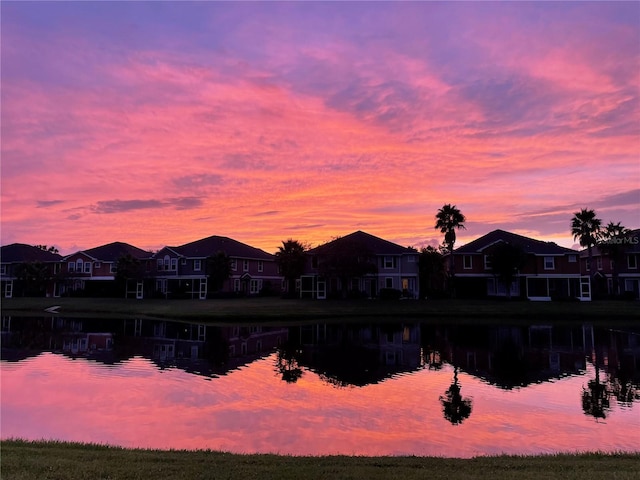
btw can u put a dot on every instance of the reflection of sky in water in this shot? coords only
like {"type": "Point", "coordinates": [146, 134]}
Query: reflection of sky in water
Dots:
{"type": "Point", "coordinates": [252, 410]}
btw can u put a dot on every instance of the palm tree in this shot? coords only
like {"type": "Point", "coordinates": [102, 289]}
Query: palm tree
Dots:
{"type": "Point", "coordinates": [291, 259]}
{"type": "Point", "coordinates": [585, 227]}
{"type": "Point", "coordinates": [611, 244]}
{"type": "Point", "coordinates": [448, 219]}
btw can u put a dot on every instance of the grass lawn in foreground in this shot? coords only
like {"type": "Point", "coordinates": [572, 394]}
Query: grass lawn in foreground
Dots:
{"type": "Point", "coordinates": [68, 461]}
{"type": "Point", "coordinates": [278, 309]}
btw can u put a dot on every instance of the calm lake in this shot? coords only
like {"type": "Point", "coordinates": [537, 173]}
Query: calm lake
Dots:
{"type": "Point", "coordinates": [397, 388]}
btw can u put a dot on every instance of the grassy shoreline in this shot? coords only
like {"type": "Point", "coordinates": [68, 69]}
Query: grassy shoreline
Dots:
{"type": "Point", "coordinates": [277, 309]}
{"type": "Point", "coordinates": [24, 460]}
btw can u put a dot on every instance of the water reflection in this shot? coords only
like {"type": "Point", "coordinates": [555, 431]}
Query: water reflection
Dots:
{"type": "Point", "coordinates": [348, 388]}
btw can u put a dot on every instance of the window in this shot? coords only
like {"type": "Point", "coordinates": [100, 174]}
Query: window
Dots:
{"type": "Point", "coordinates": [255, 286]}
{"type": "Point", "coordinates": [197, 265]}
{"type": "Point", "coordinates": [599, 263]}
{"type": "Point", "coordinates": [412, 259]}
{"type": "Point", "coordinates": [97, 265]}
{"type": "Point", "coordinates": [587, 265]}
{"type": "Point", "coordinates": [71, 267]}
{"type": "Point", "coordinates": [632, 261]}
{"type": "Point", "coordinates": [56, 268]}
{"type": "Point", "coordinates": [260, 265]}
{"type": "Point", "coordinates": [236, 284]}
{"type": "Point", "coordinates": [234, 264]}
{"type": "Point", "coordinates": [467, 262]}
{"type": "Point", "coordinates": [572, 259]}
{"type": "Point", "coordinates": [388, 282]}
{"type": "Point", "coordinates": [159, 265]}
{"type": "Point", "coordinates": [549, 263]}
{"type": "Point", "coordinates": [113, 268]}
{"type": "Point", "coordinates": [87, 267]}
{"type": "Point", "coordinates": [183, 261]}
{"type": "Point", "coordinates": [167, 263]}
{"type": "Point", "coordinates": [487, 262]}
{"type": "Point", "coordinates": [245, 265]}
{"type": "Point", "coordinates": [388, 262]}
{"type": "Point", "coordinates": [3, 269]}
{"type": "Point", "coordinates": [79, 265]}
{"type": "Point", "coordinates": [174, 264]}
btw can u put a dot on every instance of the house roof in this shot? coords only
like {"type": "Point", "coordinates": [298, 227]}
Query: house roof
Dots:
{"type": "Point", "coordinates": [111, 252]}
{"type": "Point", "coordinates": [211, 245]}
{"type": "Point", "coordinates": [373, 244]}
{"type": "Point", "coordinates": [20, 252]}
{"type": "Point", "coordinates": [529, 245]}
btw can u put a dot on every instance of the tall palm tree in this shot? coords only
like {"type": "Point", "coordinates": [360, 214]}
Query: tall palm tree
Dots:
{"type": "Point", "coordinates": [612, 245]}
{"type": "Point", "coordinates": [585, 227]}
{"type": "Point", "coordinates": [448, 219]}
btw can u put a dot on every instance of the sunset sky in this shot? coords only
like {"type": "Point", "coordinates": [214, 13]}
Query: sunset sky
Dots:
{"type": "Point", "coordinates": [163, 123]}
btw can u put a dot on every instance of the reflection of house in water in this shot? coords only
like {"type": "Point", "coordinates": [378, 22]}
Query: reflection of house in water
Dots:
{"type": "Point", "coordinates": [513, 356]}
{"type": "Point", "coordinates": [196, 348]}
{"type": "Point", "coordinates": [199, 348]}
{"type": "Point", "coordinates": [353, 354]}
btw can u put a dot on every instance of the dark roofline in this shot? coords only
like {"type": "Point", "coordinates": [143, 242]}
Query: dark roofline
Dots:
{"type": "Point", "coordinates": [530, 245]}
{"type": "Point", "coordinates": [376, 245]}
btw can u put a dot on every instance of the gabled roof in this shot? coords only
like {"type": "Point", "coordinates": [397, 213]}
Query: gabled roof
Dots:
{"type": "Point", "coordinates": [373, 244]}
{"type": "Point", "coordinates": [20, 252]}
{"type": "Point", "coordinates": [111, 252]}
{"type": "Point", "coordinates": [529, 245]}
{"type": "Point", "coordinates": [211, 245]}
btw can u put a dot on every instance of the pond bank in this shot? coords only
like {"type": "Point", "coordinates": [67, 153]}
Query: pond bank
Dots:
{"type": "Point", "coordinates": [268, 309]}
{"type": "Point", "coordinates": [70, 461]}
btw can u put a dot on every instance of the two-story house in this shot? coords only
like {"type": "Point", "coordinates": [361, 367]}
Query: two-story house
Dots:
{"type": "Point", "coordinates": [359, 265]}
{"type": "Point", "coordinates": [26, 270]}
{"type": "Point", "coordinates": [622, 261]}
{"type": "Point", "coordinates": [549, 271]}
{"type": "Point", "coordinates": [182, 271]}
{"type": "Point", "coordinates": [92, 272]}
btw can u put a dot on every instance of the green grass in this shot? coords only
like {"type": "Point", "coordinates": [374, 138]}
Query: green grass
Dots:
{"type": "Point", "coordinates": [283, 310]}
{"type": "Point", "coordinates": [23, 460]}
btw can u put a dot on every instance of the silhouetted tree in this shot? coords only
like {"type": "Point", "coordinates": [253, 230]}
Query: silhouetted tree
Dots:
{"type": "Point", "coordinates": [431, 271]}
{"type": "Point", "coordinates": [128, 268]}
{"type": "Point", "coordinates": [50, 249]}
{"type": "Point", "coordinates": [506, 260]}
{"type": "Point", "coordinates": [32, 277]}
{"type": "Point", "coordinates": [585, 227]}
{"type": "Point", "coordinates": [455, 408]}
{"type": "Point", "coordinates": [291, 259]}
{"type": "Point", "coordinates": [448, 219]}
{"type": "Point", "coordinates": [218, 268]}
{"type": "Point", "coordinates": [612, 244]}
{"type": "Point", "coordinates": [345, 258]}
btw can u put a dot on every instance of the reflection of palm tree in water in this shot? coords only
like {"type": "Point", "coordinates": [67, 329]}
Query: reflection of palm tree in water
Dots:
{"type": "Point", "coordinates": [595, 397]}
{"type": "Point", "coordinates": [287, 364]}
{"type": "Point", "coordinates": [455, 408]}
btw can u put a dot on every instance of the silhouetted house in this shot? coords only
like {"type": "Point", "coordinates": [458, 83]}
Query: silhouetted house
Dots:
{"type": "Point", "coordinates": [359, 265]}
{"type": "Point", "coordinates": [92, 272]}
{"type": "Point", "coordinates": [625, 261]}
{"type": "Point", "coordinates": [182, 271]}
{"type": "Point", "coordinates": [549, 270]}
{"type": "Point", "coordinates": [26, 270]}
